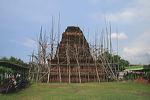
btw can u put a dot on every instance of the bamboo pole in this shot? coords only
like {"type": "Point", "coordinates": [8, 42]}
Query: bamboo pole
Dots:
{"type": "Point", "coordinates": [68, 60]}
{"type": "Point", "coordinates": [77, 60]}
{"type": "Point", "coordinates": [95, 58]}
{"type": "Point", "coordinates": [60, 80]}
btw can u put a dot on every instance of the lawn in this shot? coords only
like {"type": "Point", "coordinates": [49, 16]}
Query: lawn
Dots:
{"type": "Point", "coordinates": [84, 91]}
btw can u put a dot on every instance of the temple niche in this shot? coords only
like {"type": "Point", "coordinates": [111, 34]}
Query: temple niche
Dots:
{"type": "Point", "coordinates": [73, 61]}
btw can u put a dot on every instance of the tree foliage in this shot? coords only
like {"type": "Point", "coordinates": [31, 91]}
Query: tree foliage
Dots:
{"type": "Point", "coordinates": [14, 60]}
{"type": "Point", "coordinates": [5, 70]}
{"type": "Point", "coordinates": [116, 59]}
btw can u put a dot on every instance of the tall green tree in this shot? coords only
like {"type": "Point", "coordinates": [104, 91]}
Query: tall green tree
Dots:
{"type": "Point", "coordinates": [119, 62]}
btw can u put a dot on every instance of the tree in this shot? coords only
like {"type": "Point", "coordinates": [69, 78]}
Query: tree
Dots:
{"type": "Point", "coordinates": [116, 60]}
{"type": "Point", "coordinates": [5, 70]}
{"type": "Point", "coordinates": [14, 60]}
{"type": "Point", "coordinates": [4, 58]}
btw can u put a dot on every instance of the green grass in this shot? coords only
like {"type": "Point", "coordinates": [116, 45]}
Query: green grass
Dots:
{"type": "Point", "coordinates": [84, 91]}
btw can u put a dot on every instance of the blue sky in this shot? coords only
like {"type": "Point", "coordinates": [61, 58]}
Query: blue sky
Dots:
{"type": "Point", "coordinates": [20, 22]}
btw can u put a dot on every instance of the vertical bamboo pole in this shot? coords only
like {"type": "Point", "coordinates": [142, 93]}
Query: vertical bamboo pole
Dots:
{"type": "Point", "coordinates": [68, 59]}
{"type": "Point", "coordinates": [95, 60]}
{"type": "Point", "coordinates": [117, 52]}
{"type": "Point", "coordinates": [58, 49]}
{"type": "Point", "coordinates": [77, 60]}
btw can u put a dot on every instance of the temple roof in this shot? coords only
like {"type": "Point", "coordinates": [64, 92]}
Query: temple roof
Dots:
{"type": "Point", "coordinates": [75, 43]}
{"type": "Point", "coordinates": [73, 29]}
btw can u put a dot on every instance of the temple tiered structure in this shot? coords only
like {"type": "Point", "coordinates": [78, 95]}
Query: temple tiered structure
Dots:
{"type": "Point", "coordinates": [73, 61]}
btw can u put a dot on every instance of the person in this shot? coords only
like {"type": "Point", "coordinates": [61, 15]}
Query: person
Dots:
{"type": "Point", "coordinates": [14, 80]}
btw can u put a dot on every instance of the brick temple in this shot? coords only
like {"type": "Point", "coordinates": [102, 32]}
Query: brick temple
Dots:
{"type": "Point", "coordinates": [73, 61]}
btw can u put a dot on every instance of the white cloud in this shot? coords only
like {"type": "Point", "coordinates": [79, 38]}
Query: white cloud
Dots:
{"type": "Point", "coordinates": [125, 16]}
{"type": "Point", "coordinates": [139, 50]}
{"type": "Point", "coordinates": [138, 10]}
{"type": "Point", "coordinates": [120, 36]}
{"type": "Point", "coordinates": [121, 17]}
{"type": "Point", "coordinates": [131, 50]}
{"type": "Point", "coordinates": [27, 42]}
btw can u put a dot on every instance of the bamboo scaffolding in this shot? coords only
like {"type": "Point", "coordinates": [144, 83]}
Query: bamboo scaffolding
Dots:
{"type": "Point", "coordinates": [79, 62]}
